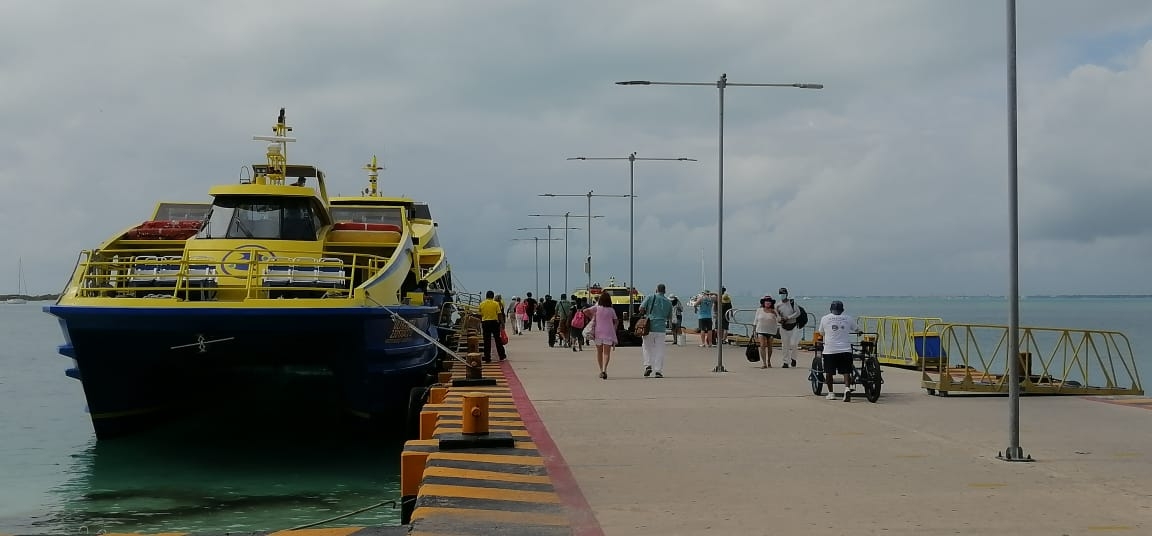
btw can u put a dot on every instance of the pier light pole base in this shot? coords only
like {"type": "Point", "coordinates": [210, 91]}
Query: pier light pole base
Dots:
{"type": "Point", "coordinates": [719, 368]}
{"type": "Point", "coordinates": [1014, 454]}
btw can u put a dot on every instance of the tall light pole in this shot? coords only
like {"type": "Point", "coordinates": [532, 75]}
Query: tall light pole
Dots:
{"type": "Point", "coordinates": [537, 240]}
{"type": "Point", "coordinates": [1014, 453]}
{"type": "Point", "coordinates": [549, 248]}
{"type": "Point", "coordinates": [720, 84]}
{"type": "Point", "coordinates": [631, 215]}
{"type": "Point", "coordinates": [566, 227]}
{"type": "Point", "coordinates": [588, 260]}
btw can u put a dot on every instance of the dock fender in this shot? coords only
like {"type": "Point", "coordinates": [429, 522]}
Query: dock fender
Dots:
{"type": "Point", "coordinates": [417, 397]}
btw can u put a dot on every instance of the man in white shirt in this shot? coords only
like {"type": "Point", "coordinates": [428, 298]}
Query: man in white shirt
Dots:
{"type": "Point", "coordinates": [787, 311]}
{"type": "Point", "coordinates": [837, 330]}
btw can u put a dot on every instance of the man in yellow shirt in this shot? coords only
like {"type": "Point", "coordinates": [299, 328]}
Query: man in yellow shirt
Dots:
{"type": "Point", "coordinates": [490, 326]}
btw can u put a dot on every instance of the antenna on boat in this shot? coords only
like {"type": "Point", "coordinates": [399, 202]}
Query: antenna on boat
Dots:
{"type": "Point", "coordinates": [277, 152]}
{"type": "Point", "coordinates": [373, 174]}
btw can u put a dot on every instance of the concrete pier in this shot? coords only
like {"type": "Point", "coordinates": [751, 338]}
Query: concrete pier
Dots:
{"type": "Point", "coordinates": [752, 451]}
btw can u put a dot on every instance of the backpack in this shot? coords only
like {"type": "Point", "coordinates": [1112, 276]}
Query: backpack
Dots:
{"type": "Point", "coordinates": [578, 320]}
{"type": "Point", "coordinates": [801, 320]}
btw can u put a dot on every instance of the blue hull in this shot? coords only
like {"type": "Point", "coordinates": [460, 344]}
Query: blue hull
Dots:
{"type": "Point", "coordinates": [137, 365]}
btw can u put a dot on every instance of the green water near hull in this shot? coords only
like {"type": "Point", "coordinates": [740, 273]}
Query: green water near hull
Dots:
{"type": "Point", "coordinates": [265, 463]}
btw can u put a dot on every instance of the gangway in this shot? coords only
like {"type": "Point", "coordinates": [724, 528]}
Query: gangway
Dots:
{"type": "Point", "coordinates": [974, 358]}
{"type": "Point", "coordinates": [904, 341]}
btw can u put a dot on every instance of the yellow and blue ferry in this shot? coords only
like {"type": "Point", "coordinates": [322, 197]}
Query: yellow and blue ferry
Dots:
{"type": "Point", "coordinates": [270, 277]}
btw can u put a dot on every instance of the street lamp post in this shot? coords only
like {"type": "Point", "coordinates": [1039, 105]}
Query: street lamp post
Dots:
{"type": "Point", "coordinates": [549, 248]}
{"type": "Point", "coordinates": [720, 84]}
{"type": "Point", "coordinates": [1014, 453]}
{"type": "Point", "coordinates": [588, 260]}
{"type": "Point", "coordinates": [632, 215]}
{"type": "Point", "coordinates": [537, 240]}
{"type": "Point", "coordinates": [566, 228]}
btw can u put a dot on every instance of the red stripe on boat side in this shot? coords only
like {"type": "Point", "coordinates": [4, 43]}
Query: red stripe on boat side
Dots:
{"type": "Point", "coordinates": [580, 514]}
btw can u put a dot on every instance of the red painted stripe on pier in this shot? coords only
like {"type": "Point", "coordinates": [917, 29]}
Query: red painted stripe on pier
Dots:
{"type": "Point", "coordinates": [579, 512]}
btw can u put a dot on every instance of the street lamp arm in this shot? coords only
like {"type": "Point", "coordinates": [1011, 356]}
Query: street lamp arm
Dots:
{"type": "Point", "coordinates": [651, 83]}
{"type": "Point", "coordinates": [796, 85]}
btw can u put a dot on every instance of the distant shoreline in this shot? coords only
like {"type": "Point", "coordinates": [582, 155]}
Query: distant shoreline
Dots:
{"type": "Point", "coordinates": [41, 297]}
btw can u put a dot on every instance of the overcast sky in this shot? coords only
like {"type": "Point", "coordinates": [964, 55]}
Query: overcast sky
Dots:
{"type": "Point", "coordinates": [891, 180]}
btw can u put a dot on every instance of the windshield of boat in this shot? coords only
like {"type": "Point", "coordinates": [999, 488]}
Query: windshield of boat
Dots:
{"type": "Point", "coordinates": [420, 211]}
{"type": "Point", "coordinates": [617, 291]}
{"type": "Point", "coordinates": [181, 211]}
{"type": "Point", "coordinates": [266, 218]}
{"type": "Point", "coordinates": [391, 215]}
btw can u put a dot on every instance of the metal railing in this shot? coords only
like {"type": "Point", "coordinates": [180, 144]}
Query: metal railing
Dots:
{"type": "Point", "coordinates": [974, 358]}
{"type": "Point", "coordinates": [903, 340]}
{"type": "Point", "coordinates": [227, 275]}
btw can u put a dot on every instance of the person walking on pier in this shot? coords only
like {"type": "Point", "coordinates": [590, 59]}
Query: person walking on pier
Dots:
{"type": "Point", "coordinates": [490, 326]}
{"type": "Point", "coordinates": [837, 329]}
{"type": "Point", "coordinates": [767, 325]}
{"type": "Point", "coordinates": [562, 319]}
{"type": "Point", "coordinates": [514, 310]}
{"type": "Point", "coordinates": [529, 309]}
{"type": "Point", "coordinates": [521, 315]}
{"type": "Point", "coordinates": [658, 310]}
{"type": "Point", "coordinates": [548, 314]}
{"type": "Point", "coordinates": [604, 320]}
{"type": "Point", "coordinates": [704, 315]}
{"type": "Point", "coordinates": [788, 312]}
{"type": "Point", "coordinates": [677, 319]}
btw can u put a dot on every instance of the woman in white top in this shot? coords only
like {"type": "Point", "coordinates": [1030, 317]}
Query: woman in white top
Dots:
{"type": "Point", "coordinates": [767, 325]}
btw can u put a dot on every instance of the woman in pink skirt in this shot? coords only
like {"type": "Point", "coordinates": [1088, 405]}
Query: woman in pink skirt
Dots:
{"type": "Point", "coordinates": [603, 318]}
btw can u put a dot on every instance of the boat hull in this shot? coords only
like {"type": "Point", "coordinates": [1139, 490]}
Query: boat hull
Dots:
{"type": "Point", "coordinates": [139, 365]}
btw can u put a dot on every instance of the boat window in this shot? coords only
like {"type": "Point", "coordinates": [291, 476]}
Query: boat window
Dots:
{"type": "Point", "coordinates": [181, 211]}
{"type": "Point", "coordinates": [433, 242]}
{"type": "Point", "coordinates": [268, 218]}
{"type": "Point", "coordinates": [390, 215]}
{"type": "Point", "coordinates": [617, 292]}
{"type": "Point", "coordinates": [420, 211]}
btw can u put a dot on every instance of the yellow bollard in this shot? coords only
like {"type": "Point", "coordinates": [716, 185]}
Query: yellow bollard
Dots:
{"type": "Point", "coordinates": [474, 418]}
{"type": "Point", "coordinates": [412, 471]}
{"type": "Point", "coordinates": [473, 343]}
{"type": "Point", "coordinates": [444, 378]}
{"type": "Point", "coordinates": [428, 421]}
{"type": "Point", "coordinates": [436, 395]}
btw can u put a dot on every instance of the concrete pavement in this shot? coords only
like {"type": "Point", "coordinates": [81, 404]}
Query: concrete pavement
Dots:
{"type": "Point", "coordinates": [752, 451]}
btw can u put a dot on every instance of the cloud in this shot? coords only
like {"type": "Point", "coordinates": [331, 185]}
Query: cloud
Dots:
{"type": "Point", "coordinates": [892, 180]}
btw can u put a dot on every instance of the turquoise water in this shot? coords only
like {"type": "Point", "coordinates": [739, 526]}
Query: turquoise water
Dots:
{"type": "Point", "coordinates": [264, 467]}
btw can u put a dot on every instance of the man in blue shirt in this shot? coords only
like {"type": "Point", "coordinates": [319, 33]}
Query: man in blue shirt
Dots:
{"type": "Point", "coordinates": [658, 310]}
{"type": "Point", "coordinates": [704, 314]}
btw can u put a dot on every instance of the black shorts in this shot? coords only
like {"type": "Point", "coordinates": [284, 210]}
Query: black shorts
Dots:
{"type": "Point", "coordinates": [724, 308]}
{"type": "Point", "coordinates": [838, 363]}
{"type": "Point", "coordinates": [705, 324]}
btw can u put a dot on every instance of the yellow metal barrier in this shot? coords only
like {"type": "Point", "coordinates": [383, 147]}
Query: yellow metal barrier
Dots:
{"type": "Point", "coordinates": [904, 340]}
{"type": "Point", "coordinates": [1053, 360]}
{"type": "Point", "coordinates": [172, 274]}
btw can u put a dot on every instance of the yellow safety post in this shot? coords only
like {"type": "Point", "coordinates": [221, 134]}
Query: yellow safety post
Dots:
{"type": "Point", "coordinates": [412, 464]}
{"type": "Point", "coordinates": [444, 378]}
{"type": "Point", "coordinates": [436, 395]}
{"type": "Point", "coordinates": [474, 418]}
{"type": "Point", "coordinates": [428, 421]}
{"type": "Point", "coordinates": [475, 367]}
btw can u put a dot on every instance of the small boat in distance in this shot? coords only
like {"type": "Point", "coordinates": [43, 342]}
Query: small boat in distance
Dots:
{"type": "Point", "coordinates": [21, 287]}
{"type": "Point", "coordinates": [269, 284]}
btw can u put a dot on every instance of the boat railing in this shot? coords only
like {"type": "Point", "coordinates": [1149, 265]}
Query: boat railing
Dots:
{"type": "Point", "coordinates": [974, 358]}
{"type": "Point", "coordinates": [223, 275]}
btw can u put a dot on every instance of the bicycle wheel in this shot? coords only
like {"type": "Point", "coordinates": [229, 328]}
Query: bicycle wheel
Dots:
{"type": "Point", "coordinates": [872, 381]}
{"type": "Point", "coordinates": [815, 375]}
